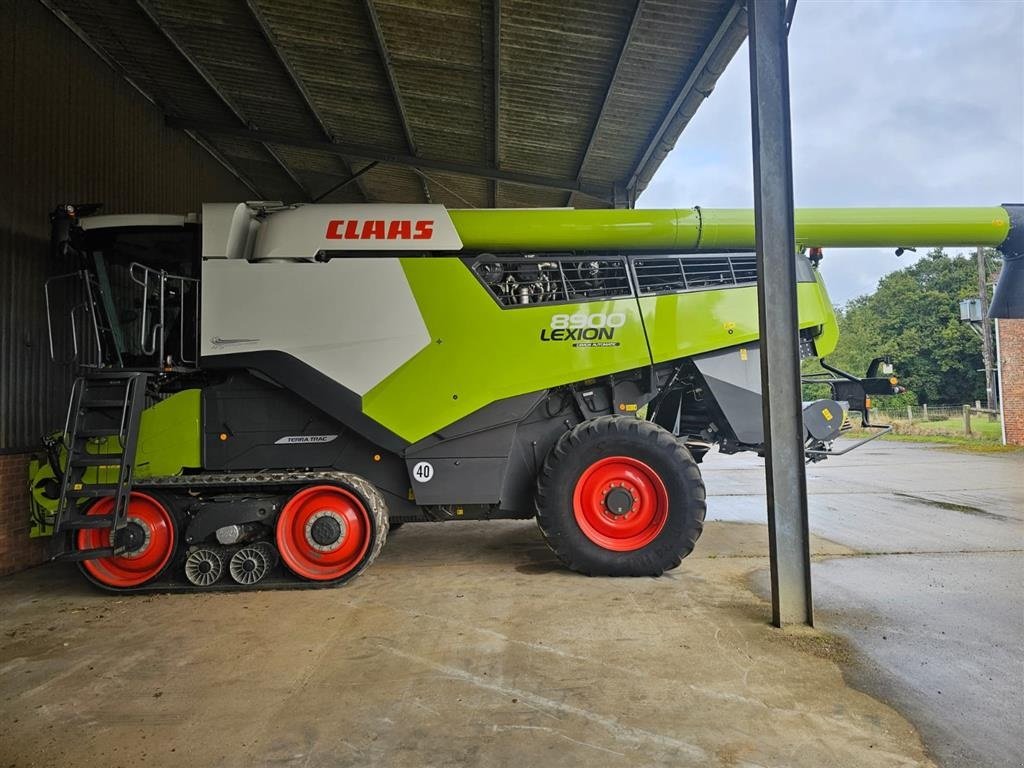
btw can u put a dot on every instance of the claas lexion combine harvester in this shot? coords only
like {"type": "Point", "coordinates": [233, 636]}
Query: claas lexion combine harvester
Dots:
{"type": "Point", "coordinates": [266, 390]}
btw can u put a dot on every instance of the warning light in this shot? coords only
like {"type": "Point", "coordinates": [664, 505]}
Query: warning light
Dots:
{"type": "Point", "coordinates": [867, 402]}
{"type": "Point", "coordinates": [223, 436]}
{"type": "Point", "coordinates": [894, 381]}
{"type": "Point", "coordinates": [376, 457]}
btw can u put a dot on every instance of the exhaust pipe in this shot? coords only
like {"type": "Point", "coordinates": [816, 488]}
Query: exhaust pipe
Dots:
{"type": "Point", "coordinates": [1008, 301]}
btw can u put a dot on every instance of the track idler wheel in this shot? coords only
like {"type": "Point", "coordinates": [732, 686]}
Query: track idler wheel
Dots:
{"type": "Point", "coordinates": [332, 532]}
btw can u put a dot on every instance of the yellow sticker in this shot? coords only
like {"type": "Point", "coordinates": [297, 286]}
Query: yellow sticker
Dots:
{"type": "Point", "coordinates": [629, 407]}
{"type": "Point", "coordinates": [743, 353]}
{"type": "Point", "coordinates": [827, 414]}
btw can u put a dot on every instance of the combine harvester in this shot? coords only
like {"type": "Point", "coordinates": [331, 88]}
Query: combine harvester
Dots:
{"type": "Point", "coordinates": [264, 393]}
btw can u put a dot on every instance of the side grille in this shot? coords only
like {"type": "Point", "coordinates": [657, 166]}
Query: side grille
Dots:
{"type": "Point", "coordinates": [687, 273]}
{"type": "Point", "coordinates": [535, 280]}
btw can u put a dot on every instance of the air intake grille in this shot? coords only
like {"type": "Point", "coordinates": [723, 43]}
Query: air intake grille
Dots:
{"type": "Point", "coordinates": [687, 273]}
{"type": "Point", "coordinates": [538, 279]}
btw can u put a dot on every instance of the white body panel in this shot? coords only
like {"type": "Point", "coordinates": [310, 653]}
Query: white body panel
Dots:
{"type": "Point", "coordinates": [355, 320]}
{"type": "Point", "coordinates": [217, 220]}
{"type": "Point", "coordinates": [259, 232]}
{"type": "Point", "coordinates": [118, 221]}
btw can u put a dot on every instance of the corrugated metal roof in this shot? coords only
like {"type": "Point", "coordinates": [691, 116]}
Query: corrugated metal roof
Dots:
{"type": "Point", "coordinates": [298, 94]}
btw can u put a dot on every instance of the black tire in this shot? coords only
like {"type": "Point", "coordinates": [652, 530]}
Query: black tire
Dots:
{"type": "Point", "coordinates": [593, 444]}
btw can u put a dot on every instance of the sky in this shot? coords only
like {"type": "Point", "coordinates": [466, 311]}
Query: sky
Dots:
{"type": "Point", "coordinates": [901, 102]}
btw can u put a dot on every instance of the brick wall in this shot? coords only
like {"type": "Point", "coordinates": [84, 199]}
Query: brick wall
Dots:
{"type": "Point", "coordinates": [1011, 360]}
{"type": "Point", "coordinates": [17, 550]}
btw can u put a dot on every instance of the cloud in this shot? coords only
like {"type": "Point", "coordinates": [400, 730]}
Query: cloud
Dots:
{"type": "Point", "coordinates": [893, 104]}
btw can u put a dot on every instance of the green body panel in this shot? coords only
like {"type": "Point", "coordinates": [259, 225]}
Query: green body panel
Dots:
{"type": "Point", "coordinates": [169, 441]}
{"type": "Point", "coordinates": [687, 324]}
{"type": "Point", "coordinates": [709, 229]}
{"type": "Point", "coordinates": [481, 353]}
{"type": "Point", "coordinates": [170, 436]}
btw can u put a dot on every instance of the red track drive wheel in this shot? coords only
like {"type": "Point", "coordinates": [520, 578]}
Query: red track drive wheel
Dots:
{"type": "Point", "coordinates": [620, 503]}
{"type": "Point", "coordinates": [149, 535]}
{"type": "Point", "coordinates": [323, 532]}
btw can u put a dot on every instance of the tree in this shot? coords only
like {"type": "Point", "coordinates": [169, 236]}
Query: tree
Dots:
{"type": "Point", "coordinates": [913, 317]}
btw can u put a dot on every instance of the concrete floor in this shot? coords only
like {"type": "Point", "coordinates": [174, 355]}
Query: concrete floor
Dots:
{"type": "Point", "coordinates": [933, 602]}
{"type": "Point", "coordinates": [466, 644]}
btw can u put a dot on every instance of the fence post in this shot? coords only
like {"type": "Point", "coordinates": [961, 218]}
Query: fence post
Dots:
{"type": "Point", "coordinates": [967, 420]}
{"type": "Point", "coordinates": [910, 414]}
{"type": "Point", "coordinates": [924, 410]}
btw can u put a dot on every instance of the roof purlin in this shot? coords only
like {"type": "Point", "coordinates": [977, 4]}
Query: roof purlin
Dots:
{"type": "Point", "coordinates": [209, 80]}
{"type": "Point", "coordinates": [300, 86]}
{"type": "Point", "coordinates": [396, 93]}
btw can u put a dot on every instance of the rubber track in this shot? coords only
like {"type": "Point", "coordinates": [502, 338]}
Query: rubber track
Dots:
{"type": "Point", "coordinates": [279, 577]}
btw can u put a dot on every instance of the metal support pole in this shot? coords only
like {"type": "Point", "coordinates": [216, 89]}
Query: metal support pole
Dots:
{"type": "Point", "coordinates": [788, 536]}
{"type": "Point", "coordinates": [986, 331]}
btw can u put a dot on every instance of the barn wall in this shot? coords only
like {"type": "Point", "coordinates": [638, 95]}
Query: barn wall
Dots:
{"type": "Point", "coordinates": [71, 130]}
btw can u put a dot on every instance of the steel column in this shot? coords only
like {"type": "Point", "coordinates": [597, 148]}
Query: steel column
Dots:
{"type": "Point", "coordinates": [786, 480]}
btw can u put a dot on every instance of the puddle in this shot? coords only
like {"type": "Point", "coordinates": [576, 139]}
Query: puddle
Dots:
{"type": "Point", "coordinates": [950, 506]}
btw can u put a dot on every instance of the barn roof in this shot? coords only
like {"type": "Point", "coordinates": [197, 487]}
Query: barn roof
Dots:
{"type": "Point", "coordinates": [478, 103]}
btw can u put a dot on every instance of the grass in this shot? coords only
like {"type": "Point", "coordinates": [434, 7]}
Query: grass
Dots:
{"type": "Point", "coordinates": [981, 428]}
{"type": "Point", "coordinates": [986, 435]}
{"type": "Point", "coordinates": [963, 443]}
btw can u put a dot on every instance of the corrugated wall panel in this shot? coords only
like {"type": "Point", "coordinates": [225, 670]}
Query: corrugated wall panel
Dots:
{"type": "Point", "coordinates": [71, 130]}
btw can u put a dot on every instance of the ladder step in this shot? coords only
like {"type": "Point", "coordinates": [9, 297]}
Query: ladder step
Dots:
{"type": "Point", "coordinates": [104, 432]}
{"type": "Point", "coordinates": [101, 403]}
{"type": "Point", "coordinates": [94, 491]}
{"type": "Point", "coordinates": [77, 555]}
{"type": "Point", "coordinates": [97, 460]}
{"type": "Point", "coordinates": [111, 375]}
{"type": "Point", "coordinates": [88, 521]}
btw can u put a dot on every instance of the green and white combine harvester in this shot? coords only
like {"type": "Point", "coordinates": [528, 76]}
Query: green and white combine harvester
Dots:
{"type": "Point", "coordinates": [264, 392]}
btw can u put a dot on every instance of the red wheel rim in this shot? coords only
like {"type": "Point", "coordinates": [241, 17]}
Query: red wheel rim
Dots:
{"type": "Point", "coordinates": [637, 495]}
{"type": "Point", "coordinates": [323, 561]}
{"type": "Point", "coordinates": [137, 567]}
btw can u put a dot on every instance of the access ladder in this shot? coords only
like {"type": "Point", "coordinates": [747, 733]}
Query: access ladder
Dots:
{"type": "Point", "coordinates": [105, 411]}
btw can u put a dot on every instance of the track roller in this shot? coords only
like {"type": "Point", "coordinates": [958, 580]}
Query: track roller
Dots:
{"type": "Point", "coordinates": [249, 565]}
{"type": "Point", "coordinates": [204, 566]}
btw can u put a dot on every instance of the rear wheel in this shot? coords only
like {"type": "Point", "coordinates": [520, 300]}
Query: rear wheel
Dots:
{"type": "Point", "coordinates": [620, 497]}
{"type": "Point", "coordinates": [328, 533]}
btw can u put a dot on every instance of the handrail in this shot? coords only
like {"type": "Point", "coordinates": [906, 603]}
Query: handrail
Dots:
{"type": "Point", "coordinates": [151, 336]}
{"type": "Point", "coordinates": [87, 307]}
